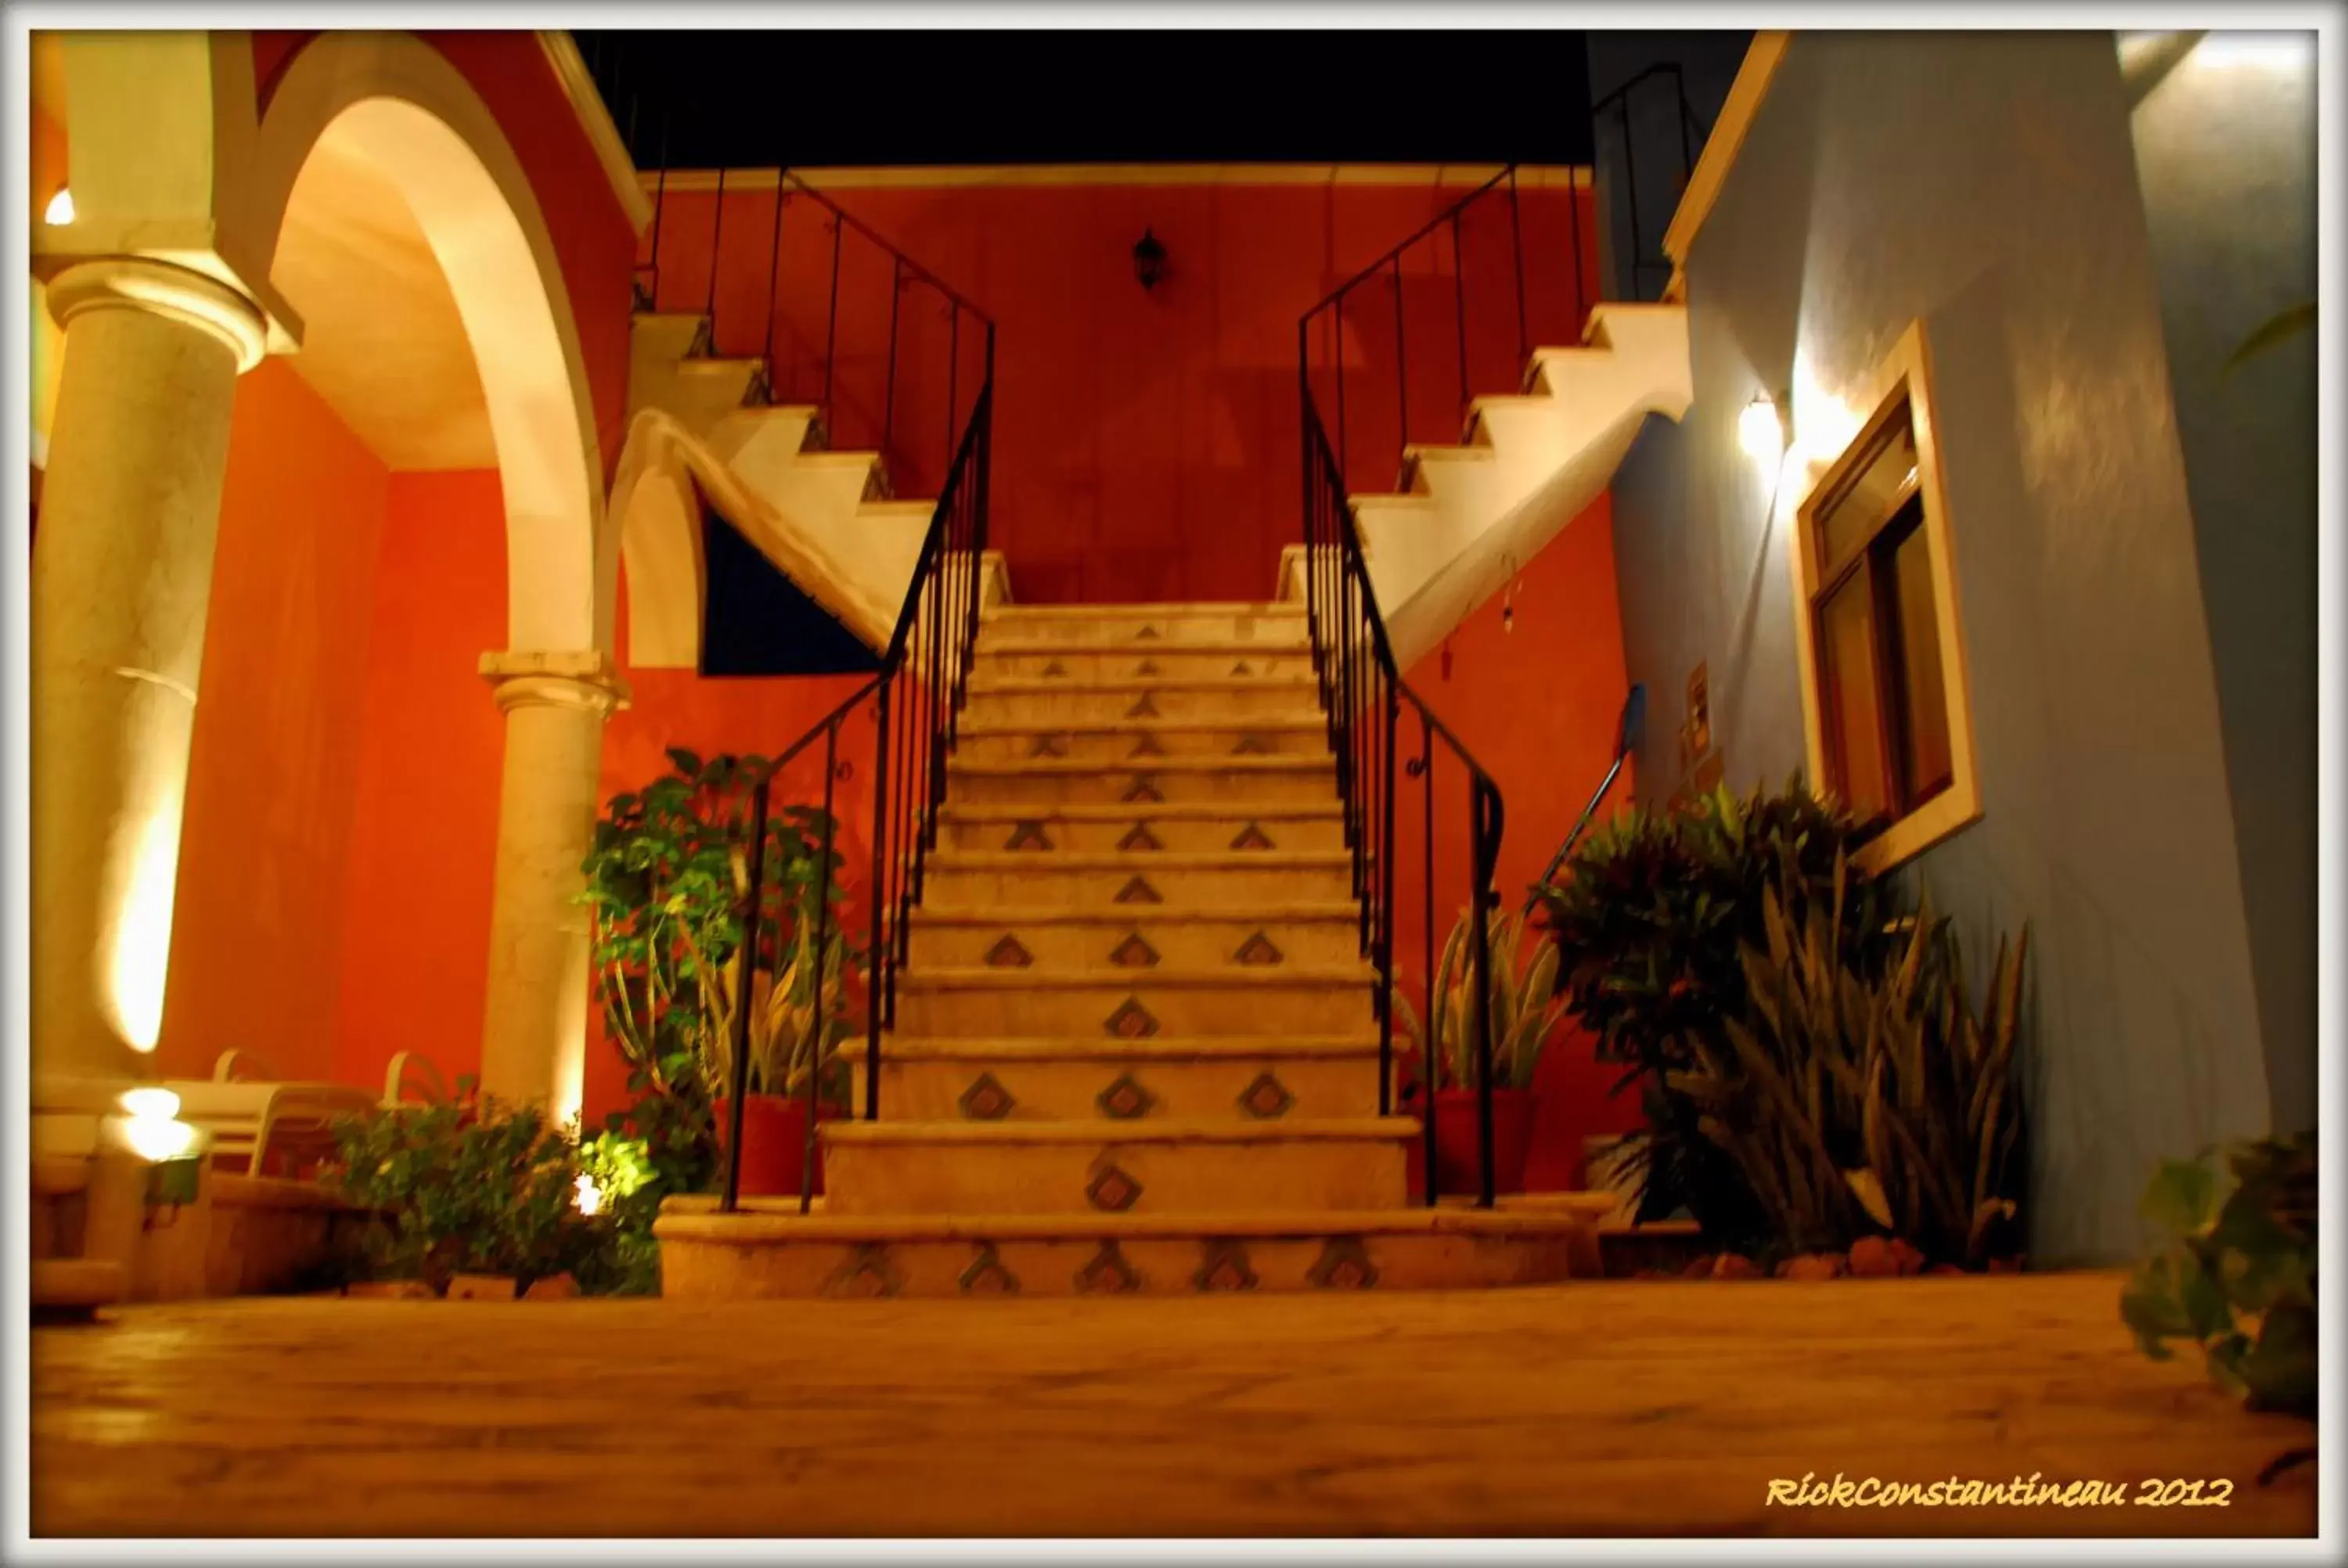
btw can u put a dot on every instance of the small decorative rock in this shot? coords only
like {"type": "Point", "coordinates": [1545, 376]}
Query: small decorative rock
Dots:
{"type": "Point", "coordinates": [1734, 1267]}
{"type": "Point", "coordinates": [1908, 1259]}
{"type": "Point", "coordinates": [1944, 1268]}
{"type": "Point", "coordinates": [1812, 1266]}
{"type": "Point", "coordinates": [481, 1288]}
{"type": "Point", "coordinates": [2005, 1265]}
{"type": "Point", "coordinates": [1872, 1257]}
{"type": "Point", "coordinates": [553, 1287]}
{"type": "Point", "coordinates": [1702, 1269]}
{"type": "Point", "coordinates": [389, 1290]}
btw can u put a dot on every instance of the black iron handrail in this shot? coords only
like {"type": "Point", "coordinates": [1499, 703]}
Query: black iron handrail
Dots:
{"type": "Point", "coordinates": [1502, 187]}
{"type": "Point", "coordinates": [815, 376]}
{"type": "Point", "coordinates": [1363, 694]}
{"type": "Point", "coordinates": [916, 700]}
{"type": "Point", "coordinates": [1693, 134]}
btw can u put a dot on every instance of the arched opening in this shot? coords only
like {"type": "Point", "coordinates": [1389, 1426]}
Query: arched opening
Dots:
{"type": "Point", "coordinates": [419, 485]}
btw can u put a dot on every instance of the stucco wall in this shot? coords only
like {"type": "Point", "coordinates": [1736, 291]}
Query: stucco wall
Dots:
{"type": "Point", "coordinates": [2225, 146]}
{"type": "Point", "coordinates": [1985, 183]}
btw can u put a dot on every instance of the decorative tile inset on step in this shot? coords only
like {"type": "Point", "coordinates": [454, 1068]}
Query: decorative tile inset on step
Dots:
{"type": "Point", "coordinates": [1147, 634]}
{"type": "Point", "coordinates": [1048, 746]}
{"type": "Point", "coordinates": [1107, 1274]}
{"type": "Point", "coordinates": [1027, 835]}
{"type": "Point", "coordinates": [1256, 952]}
{"type": "Point", "coordinates": [1144, 707]}
{"type": "Point", "coordinates": [1126, 1099]}
{"type": "Point", "coordinates": [1344, 1264]}
{"type": "Point", "coordinates": [1133, 953]}
{"type": "Point", "coordinates": [1111, 1189]}
{"type": "Point", "coordinates": [1147, 667]}
{"type": "Point", "coordinates": [1251, 745]}
{"type": "Point", "coordinates": [1224, 1267]}
{"type": "Point", "coordinates": [1145, 789]}
{"type": "Point", "coordinates": [1266, 1098]}
{"type": "Point", "coordinates": [1241, 668]}
{"type": "Point", "coordinates": [1138, 891]}
{"type": "Point", "coordinates": [1139, 837]}
{"type": "Point", "coordinates": [1131, 1020]}
{"type": "Point", "coordinates": [1253, 836]}
{"type": "Point", "coordinates": [986, 1275]}
{"type": "Point", "coordinates": [986, 1099]}
{"type": "Point", "coordinates": [1054, 668]}
{"type": "Point", "coordinates": [1147, 745]}
{"type": "Point", "coordinates": [1009, 953]}
{"type": "Point", "coordinates": [867, 1273]}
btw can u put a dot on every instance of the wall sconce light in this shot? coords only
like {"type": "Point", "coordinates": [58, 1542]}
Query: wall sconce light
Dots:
{"type": "Point", "coordinates": [1761, 428]}
{"type": "Point", "coordinates": [172, 1149]}
{"type": "Point", "coordinates": [1149, 259]}
{"type": "Point", "coordinates": [60, 210]}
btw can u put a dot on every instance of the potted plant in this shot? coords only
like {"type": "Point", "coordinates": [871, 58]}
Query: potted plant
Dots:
{"type": "Point", "coordinates": [1524, 1013]}
{"type": "Point", "coordinates": [787, 1051]}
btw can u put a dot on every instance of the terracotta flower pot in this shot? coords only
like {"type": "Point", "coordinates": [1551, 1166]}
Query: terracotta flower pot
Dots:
{"type": "Point", "coordinates": [774, 1144]}
{"type": "Point", "coordinates": [1457, 1142]}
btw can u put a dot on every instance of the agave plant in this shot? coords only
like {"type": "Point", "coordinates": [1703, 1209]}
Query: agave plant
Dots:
{"type": "Point", "coordinates": [1853, 1099]}
{"type": "Point", "coordinates": [786, 1047]}
{"type": "Point", "coordinates": [1524, 1007]}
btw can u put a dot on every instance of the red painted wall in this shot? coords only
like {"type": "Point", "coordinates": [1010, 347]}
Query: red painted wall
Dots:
{"type": "Point", "coordinates": [415, 918]}
{"type": "Point", "coordinates": [267, 832]}
{"type": "Point", "coordinates": [1537, 706]}
{"type": "Point", "coordinates": [1146, 442]}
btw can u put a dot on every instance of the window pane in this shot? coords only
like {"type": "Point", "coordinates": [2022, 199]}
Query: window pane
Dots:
{"type": "Point", "coordinates": [1852, 517]}
{"type": "Point", "coordinates": [1925, 745]}
{"type": "Point", "coordinates": [1853, 713]}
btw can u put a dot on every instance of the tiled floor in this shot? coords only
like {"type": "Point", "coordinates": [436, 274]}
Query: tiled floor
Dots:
{"type": "Point", "coordinates": [1638, 1408]}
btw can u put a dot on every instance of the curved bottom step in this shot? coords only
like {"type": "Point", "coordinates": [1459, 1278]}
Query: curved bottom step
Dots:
{"type": "Point", "coordinates": [770, 1250]}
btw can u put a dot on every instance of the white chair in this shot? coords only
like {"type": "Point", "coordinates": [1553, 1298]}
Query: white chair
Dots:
{"type": "Point", "coordinates": [412, 1079]}
{"type": "Point", "coordinates": [263, 1128]}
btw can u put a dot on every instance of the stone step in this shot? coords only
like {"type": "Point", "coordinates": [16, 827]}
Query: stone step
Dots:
{"type": "Point", "coordinates": [1238, 782]}
{"type": "Point", "coordinates": [1220, 1166]}
{"type": "Point", "coordinates": [1051, 879]}
{"type": "Point", "coordinates": [1026, 659]}
{"type": "Point", "coordinates": [768, 1250]}
{"type": "Point", "coordinates": [1137, 936]}
{"type": "Point", "coordinates": [1135, 1004]}
{"type": "Point", "coordinates": [1191, 829]}
{"type": "Point", "coordinates": [1124, 1080]}
{"type": "Point", "coordinates": [1000, 703]}
{"type": "Point", "coordinates": [1094, 625]}
{"type": "Point", "coordinates": [1296, 734]}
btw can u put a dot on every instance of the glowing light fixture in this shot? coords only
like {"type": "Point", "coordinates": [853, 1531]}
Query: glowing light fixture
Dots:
{"type": "Point", "coordinates": [152, 1128]}
{"type": "Point", "coordinates": [1760, 430]}
{"type": "Point", "coordinates": [60, 210]}
{"type": "Point", "coordinates": [588, 1196]}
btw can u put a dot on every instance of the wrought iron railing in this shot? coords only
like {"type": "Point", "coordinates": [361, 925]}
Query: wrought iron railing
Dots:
{"type": "Point", "coordinates": [837, 316]}
{"type": "Point", "coordinates": [1691, 132]}
{"type": "Point", "coordinates": [914, 704]}
{"type": "Point", "coordinates": [1373, 717]}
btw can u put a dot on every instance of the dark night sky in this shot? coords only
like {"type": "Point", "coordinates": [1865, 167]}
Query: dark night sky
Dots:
{"type": "Point", "coordinates": [830, 98]}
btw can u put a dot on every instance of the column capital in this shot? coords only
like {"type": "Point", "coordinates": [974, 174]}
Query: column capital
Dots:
{"type": "Point", "coordinates": [583, 680]}
{"type": "Point", "coordinates": [140, 283]}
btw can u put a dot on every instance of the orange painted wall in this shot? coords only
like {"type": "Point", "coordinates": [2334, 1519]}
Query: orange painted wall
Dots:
{"type": "Point", "coordinates": [1146, 442]}
{"type": "Point", "coordinates": [267, 839]}
{"type": "Point", "coordinates": [1537, 706]}
{"type": "Point", "coordinates": [416, 916]}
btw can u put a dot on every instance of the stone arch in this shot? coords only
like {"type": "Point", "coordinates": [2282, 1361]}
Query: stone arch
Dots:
{"type": "Point", "coordinates": [415, 116]}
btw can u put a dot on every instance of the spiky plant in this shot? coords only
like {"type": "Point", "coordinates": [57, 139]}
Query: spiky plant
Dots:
{"type": "Point", "coordinates": [1524, 1007]}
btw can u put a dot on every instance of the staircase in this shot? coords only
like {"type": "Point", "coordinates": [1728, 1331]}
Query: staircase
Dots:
{"type": "Point", "coordinates": [1135, 1044]}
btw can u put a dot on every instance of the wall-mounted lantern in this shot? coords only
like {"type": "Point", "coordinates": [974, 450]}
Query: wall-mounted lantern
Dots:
{"type": "Point", "coordinates": [1149, 259]}
{"type": "Point", "coordinates": [1761, 428]}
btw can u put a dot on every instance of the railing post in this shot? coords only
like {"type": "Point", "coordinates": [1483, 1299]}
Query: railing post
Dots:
{"type": "Point", "coordinates": [877, 951]}
{"type": "Point", "coordinates": [752, 919]}
{"type": "Point", "coordinates": [774, 275]}
{"type": "Point", "coordinates": [1484, 839]}
{"type": "Point", "coordinates": [889, 397]}
{"type": "Point", "coordinates": [717, 232]}
{"type": "Point", "coordinates": [953, 367]}
{"type": "Point", "coordinates": [1345, 470]}
{"type": "Point", "coordinates": [1383, 961]}
{"type": "Point", "coordinates": [822, 944]}
{"type": "Point", "coordinates": [1631, 192]}
{"type": "Point", "coordinates": [1402, 358]}
{"type": "Point", "coordinates": [831, 330]}
{"type": "Point", "coordinates": [1517, 239]}
{"type": "Point", "coordinates": [1573, 211]}
{"type": "Point", "coordinates": [1459, 305]}
{"type": "Point", "coordinates": [1431, 1069]}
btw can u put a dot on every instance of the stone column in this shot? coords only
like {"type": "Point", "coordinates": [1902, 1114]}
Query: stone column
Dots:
{"type": "Point", "coordinates": [534, 1025]}
{"type": "Point", "coordinates": [121, 578]}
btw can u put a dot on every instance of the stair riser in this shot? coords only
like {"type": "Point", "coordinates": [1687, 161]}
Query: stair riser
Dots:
{"type": "Point", "coordinates": [1219, 1178]}
{"type": "Point", "coordinates": [1238, 787]}
{"type": "Point", "coordinates": [719, 1271]}
{"type": "Point", "coordinates": [1115, 746]}
{"type": "Point", "coordinates": [1116, 629]}
{"type": "Point", "coordinates": [1178, 836]}
{"type": "Point", "coordinates": [1322, 1010]}
{"type": "Point", "coordinates": [1042, 885]}
{"type": "Point", "coordinates": [1052, 946]}
{"type": "Point", "coordinates": [1075, 705]}
{"type": "Point", "coordinates": [1079, 664]}
{"type": "Point", "coordinates": [1073, 1091]}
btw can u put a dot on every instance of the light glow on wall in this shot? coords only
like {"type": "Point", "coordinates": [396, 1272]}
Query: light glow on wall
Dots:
{"type": "Point", "coordinates": [139, 946]}
{"type": "Point", "coordinates": [60, 210]}
{"type": "Point", "coordinates": [152, 1128]}
{"type": "Point", "coordinates": [1760, 431]}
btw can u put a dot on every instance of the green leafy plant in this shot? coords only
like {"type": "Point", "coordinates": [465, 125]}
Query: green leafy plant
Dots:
{"type": "Point", "coordinates": [1853, 1099]}
{"type": "Point", "coordinates": [1521, 996]}
{"type": "Point", "coordinates": [466, 1186]}
{"type": "Point", "coordinates": [2237, 1275]}
{"type": "Point", "coordinates": [1652, 917]}
{"type": "Point", "coordinates": [629, 1186]}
